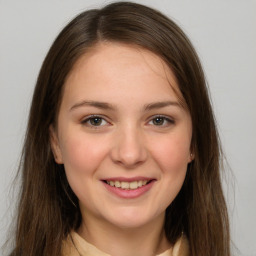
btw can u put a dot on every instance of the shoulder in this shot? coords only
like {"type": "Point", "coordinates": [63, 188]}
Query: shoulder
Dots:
{"type": "Point", "coordinates": [68, 248]}
{"type": "Point", "coordinates": [75, 245]}
{"type": "Point", "coordinates": [181, 247]}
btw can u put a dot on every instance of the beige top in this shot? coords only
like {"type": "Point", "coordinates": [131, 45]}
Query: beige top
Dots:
{"type": "Point", "coordinates": [80, 247]}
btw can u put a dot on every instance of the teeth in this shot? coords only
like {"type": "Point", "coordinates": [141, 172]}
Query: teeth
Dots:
{"type": "Point", "coordinates": [117, 184]}
{"type": "Point", "coordinates": [134, 185]}
{"type": "Point", "coordinates": [127, 185]}
{"type": "Point", "coordinates": [124, 185]}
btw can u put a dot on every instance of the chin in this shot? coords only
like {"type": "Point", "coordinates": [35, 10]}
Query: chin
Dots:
{"type": "Point", "coordinates": [130, 219]}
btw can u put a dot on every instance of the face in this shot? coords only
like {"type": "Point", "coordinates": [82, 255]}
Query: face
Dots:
{"type": "Point", "coordinates": [122, 135]}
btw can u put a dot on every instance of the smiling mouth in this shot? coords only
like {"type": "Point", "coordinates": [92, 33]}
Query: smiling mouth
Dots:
{"type": "Point", "coordinates": [128, 185]}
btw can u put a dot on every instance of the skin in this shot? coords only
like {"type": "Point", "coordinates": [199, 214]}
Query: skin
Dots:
{"type": "Point", "coordinates": [127, 139]}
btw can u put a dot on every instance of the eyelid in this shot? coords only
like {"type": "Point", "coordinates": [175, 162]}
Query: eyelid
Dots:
{"type": "Point", "coordinates": [87, 118]}
{"type": "Point", "coordinates": [169, 119]}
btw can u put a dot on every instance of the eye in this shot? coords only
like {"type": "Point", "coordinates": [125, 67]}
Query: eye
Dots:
{"type": "Point", "coordinates": [161, 121]}
{"type": "Point", "coordinates": [94, 121]}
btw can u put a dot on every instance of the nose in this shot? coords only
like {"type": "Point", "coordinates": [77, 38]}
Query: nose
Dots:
{"type": "Point", "coordinates": [129, 148]}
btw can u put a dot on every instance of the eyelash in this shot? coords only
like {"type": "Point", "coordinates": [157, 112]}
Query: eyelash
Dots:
{"type": "Point", "coordinates": [166, 121]}
{"type": "Point", "coordinates": [91, 118]}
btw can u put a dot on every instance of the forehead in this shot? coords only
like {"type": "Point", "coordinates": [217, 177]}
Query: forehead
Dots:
{"type": "Point", "coordinates": [107, 64]}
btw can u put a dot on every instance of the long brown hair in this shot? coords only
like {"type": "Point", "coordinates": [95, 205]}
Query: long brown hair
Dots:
{"type": "Point", "coordinates": [48, 209]}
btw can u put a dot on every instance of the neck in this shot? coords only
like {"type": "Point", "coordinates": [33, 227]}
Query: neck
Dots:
{"type": "Point", "coordinates": [145, 240]}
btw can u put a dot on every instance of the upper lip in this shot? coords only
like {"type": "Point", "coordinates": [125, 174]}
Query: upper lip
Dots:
{"type": "Point", "coordinates": [130, 179]}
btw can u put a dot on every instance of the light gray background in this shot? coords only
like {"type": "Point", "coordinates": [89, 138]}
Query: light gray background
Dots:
{"type": "Point", "coordinates": [224, 34]}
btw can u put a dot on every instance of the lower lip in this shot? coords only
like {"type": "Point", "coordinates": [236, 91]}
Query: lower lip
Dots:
{"type": "Point", "coordinates": [129, 193]}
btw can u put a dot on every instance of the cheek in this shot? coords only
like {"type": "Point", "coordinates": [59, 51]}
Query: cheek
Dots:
{"type": "Point", "coordinates": [172, 154]}
{"type": "Point", "coordinates": [82, 155]}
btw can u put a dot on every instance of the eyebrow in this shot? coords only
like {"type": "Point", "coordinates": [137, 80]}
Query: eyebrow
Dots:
{"type": "Point", "coordinates": [161, 104]}
{"type": "Point", "coordinates": [107, 106]}
{"type": "Point", "coordinates": [97, 104]}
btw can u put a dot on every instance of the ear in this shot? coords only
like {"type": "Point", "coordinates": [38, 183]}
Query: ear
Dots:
{"type": "Point", "coordinates": [191, 157]}
{"type": "Point", "coordinates": [55, 145]}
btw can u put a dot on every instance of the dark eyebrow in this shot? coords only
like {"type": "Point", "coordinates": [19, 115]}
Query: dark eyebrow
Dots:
{"type": "Point", "coordinates": [161, 104]}
{"type": "Point", "coordinates": [96, 104]}
{"type": "Point", "coordinates": [107, 106]}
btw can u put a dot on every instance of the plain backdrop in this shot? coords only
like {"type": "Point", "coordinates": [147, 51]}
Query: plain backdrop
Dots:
{"type": "Point", "coordinates": [224, 34]}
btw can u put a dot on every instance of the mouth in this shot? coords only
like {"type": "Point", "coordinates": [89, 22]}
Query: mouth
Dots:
{"type": "Point", "coordinates": [129, 188]}
{"type": "Point", "coordinates": [126, 185]}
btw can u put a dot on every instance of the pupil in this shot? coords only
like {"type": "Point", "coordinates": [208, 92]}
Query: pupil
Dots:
{"type": "Point", "coordinates": [96, 121]}
{"type": "Point", "coordinates": [158, 121]}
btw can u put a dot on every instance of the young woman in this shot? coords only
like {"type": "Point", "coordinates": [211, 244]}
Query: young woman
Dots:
{"type": "Point", "coordinates": [121, 154]}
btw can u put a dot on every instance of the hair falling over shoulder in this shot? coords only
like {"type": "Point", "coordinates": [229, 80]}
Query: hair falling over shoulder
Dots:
{"type": "Point", "coordinates": [48, 209]}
